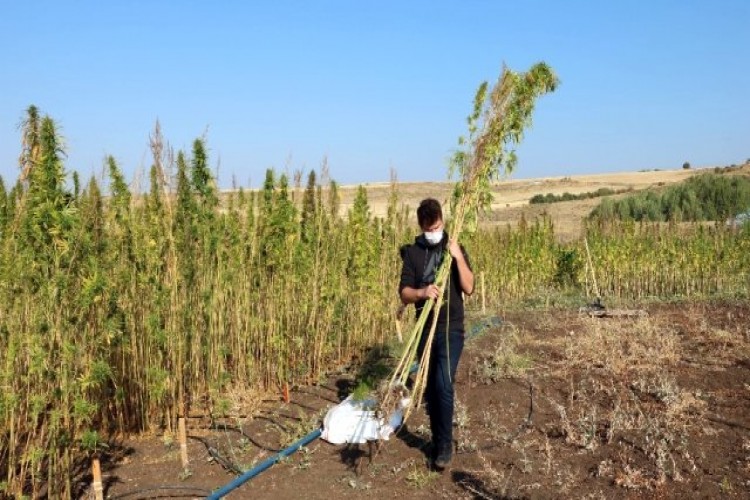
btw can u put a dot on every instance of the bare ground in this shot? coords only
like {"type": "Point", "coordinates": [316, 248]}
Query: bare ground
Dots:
{"type": "Point", "coordinates": [551, 404]}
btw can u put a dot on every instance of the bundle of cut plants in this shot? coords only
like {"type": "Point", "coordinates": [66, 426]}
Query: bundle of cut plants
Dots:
{"type": "Point", "coordinates": [495, 128]}
{"type": "Point", "coordinates": [496, 125]}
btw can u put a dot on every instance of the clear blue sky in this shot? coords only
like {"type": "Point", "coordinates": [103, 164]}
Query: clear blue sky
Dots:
{"type": "Point", "coordinates": [379, 84]}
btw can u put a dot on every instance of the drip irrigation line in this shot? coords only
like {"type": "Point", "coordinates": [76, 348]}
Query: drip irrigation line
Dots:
{"type": "Point", "coordinates": [246, 475]}
{"type": "Point", "coordinates": [320, 396]}
{"type": "Point", "coordinates": [728, 423]}
{"type": "Point", "coordinates": [283, 415]}
{"type": "Point", "coordinates": [194, 416]}
{"type": "Point", "coordinates": [330, 389]}
{"type": "Point", "coordinates": [193, 491]}
{"type": "Point", "coordinates": [217, 457]}
{"type": "Point", "coordinates": [526, 423]}
{"type": "Point", "coordinates": [305, 407]}
{"type": "Point", "coordinates": [273, 422]}
{"type": "Point", "coordinates": [227, 427]}
{"type": "Point", "coordinates": [266, 464]}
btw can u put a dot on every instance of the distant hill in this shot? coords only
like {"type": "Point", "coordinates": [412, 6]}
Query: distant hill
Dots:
{"type": "Point", "coordinates": [511, 197]}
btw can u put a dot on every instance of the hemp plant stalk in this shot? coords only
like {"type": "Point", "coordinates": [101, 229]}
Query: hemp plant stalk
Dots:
{"type": "Point", "coordinates": [496, 126]}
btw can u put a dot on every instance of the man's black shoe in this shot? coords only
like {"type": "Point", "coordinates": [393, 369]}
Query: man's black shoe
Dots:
{"type": "Point", "coordinates": [443, 458]}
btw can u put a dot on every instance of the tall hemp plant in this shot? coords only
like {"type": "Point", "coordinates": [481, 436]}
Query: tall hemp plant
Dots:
{"type": "Point", "coordinates": [496, 127]}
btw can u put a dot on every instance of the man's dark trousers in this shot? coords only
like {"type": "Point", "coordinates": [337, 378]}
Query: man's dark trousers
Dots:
{"type": "Point", "coordinates": [439, 393]}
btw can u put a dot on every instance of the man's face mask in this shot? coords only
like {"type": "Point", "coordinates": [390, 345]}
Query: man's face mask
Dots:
{"type": "Point", "coordinates": [434, 237]}
{"type": "Point", "coordinates": [435, 234]}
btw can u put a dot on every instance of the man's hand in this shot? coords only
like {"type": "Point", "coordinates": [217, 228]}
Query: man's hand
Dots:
{"type": "Point", "coordinates": [429, 292]}
{"type": "Point", "coordinates": [466, 277]}
{"type": "Point", "coordinates": [411, 295]}
{"type": "Point", "coordinates": [455, 250]}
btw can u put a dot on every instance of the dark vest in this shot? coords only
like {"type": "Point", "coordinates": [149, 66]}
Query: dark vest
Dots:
{"type": "Point", "coordinates": [420, 263]}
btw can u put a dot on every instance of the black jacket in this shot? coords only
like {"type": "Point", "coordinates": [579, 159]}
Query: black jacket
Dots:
{"type": "Point", "coordinates": [415, 273]}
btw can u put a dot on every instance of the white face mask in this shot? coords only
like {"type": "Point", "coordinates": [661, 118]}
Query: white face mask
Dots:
{"type": "Point", "coordinates": [434, 237]}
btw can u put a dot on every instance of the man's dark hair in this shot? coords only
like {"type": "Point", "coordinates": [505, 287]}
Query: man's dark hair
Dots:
{"type": "Point", "coordinates": [429, 212]}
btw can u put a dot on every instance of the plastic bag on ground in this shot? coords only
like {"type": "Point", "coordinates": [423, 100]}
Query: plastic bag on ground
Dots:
{"type": "Point", "coordinates": [354, 421]}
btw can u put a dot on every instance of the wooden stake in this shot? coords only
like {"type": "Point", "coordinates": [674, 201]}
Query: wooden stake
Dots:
{"type": "Point", "coordinates": [286, 392]}
{"type": "Point", "coordinates": [399, 315]}
{"type": "Point", "coordinates": [591, 267]}
{"type": "Point", "coordinates": [484, 303]}
{"type": "Point", "coordinates": [96, 469]}
{"type": "Point", "coordinates": [183, 442]}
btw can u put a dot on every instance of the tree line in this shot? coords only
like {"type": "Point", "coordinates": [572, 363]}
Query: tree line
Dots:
{"type": "Point", "coordinates": [556, 198]}
{"type": "Point", "coordinates": [705, 197]}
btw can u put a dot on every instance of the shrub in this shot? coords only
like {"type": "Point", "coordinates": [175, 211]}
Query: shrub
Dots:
{"type": "Point", "coordinates": [553, 198]}
{"type": "Point", "coordinates": [707, 197]}
{"type": "Point", "coordinates": [569, 265]}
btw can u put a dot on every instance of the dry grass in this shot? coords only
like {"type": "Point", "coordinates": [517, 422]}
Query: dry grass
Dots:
{"type": "Point", "coordinates": [621, 347]}
{"type": "Point", "coordinates": [503, 360]}
{"type": "Point", "coordinates": [623, 406]}
{"type": "Point", "coordinates": [626, 395]}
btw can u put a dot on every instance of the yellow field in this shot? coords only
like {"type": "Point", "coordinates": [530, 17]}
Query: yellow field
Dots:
{"type": "Point", "coordinates": [512, 196]}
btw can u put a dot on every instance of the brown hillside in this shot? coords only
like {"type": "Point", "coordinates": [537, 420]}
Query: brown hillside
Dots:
{"type": "Point", "coordinates": [511, 197]}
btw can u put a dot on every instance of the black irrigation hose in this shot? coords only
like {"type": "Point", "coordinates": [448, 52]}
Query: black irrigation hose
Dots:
{"type": "Point", "coordinates": [303, 406]}
{"type": "Point", "coordinates": [728, 423]}
{"type": "Point", "coordinates": [185, 489]}
{"type": "Point", "coordinates": [273, 413]}
{"type": "Point", "coordinates": [271, 421]}
{"type": "Point", "coordinates": [323, 386]}
{"type": "Point", "coordinates": [319, 396]}
{"type": "Point", "coordinates": [224, 462]}
{"type": "Point", "coordinates": [526, 423]}
{"type": "Point", "coordinates": [227, 427]}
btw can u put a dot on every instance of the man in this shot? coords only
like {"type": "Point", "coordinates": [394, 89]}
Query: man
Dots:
{"type": "Point", "coordinates": [421, 261]}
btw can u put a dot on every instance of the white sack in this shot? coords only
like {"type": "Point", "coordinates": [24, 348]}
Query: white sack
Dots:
{"type": "Point", "coordinates": [355, 422]}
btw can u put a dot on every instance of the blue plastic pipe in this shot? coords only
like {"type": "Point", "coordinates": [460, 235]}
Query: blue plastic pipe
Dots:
{"type": "Point", "coordinates": [267, 463]}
